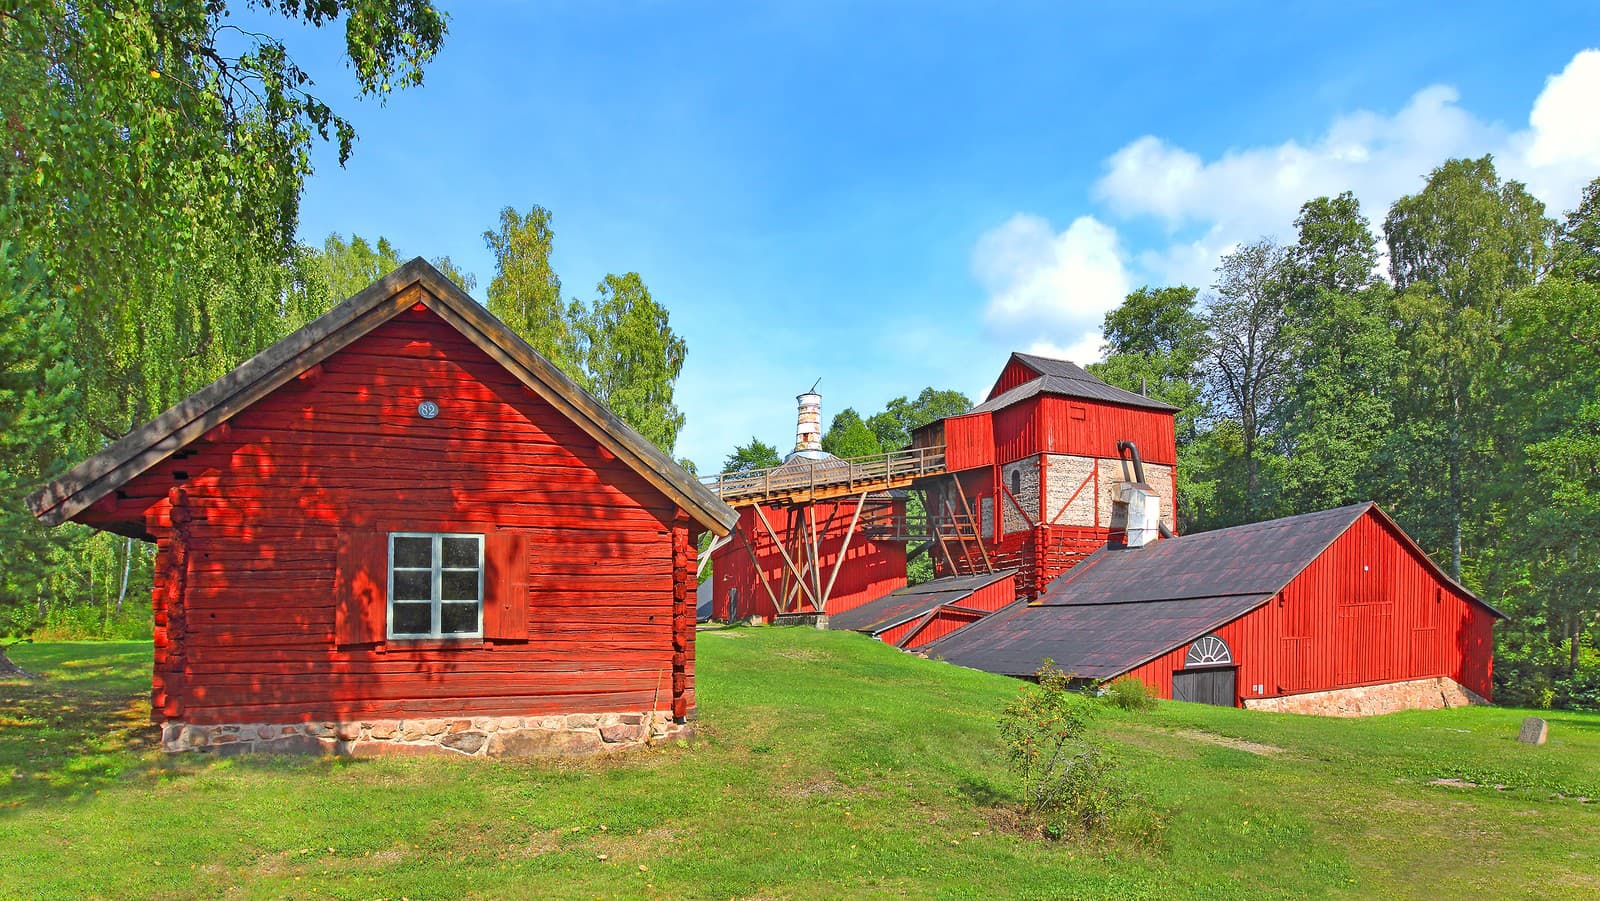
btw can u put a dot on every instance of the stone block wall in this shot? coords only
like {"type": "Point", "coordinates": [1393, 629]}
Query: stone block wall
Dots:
{"type": "Point", "coordinates": [1065, 474]}
{"type": "Point", "coordinates": [1027, 495]}
{"type": "Point", "coordinates": [1373, 700]}
{"type": "Point", "coordinates": [494, 736]}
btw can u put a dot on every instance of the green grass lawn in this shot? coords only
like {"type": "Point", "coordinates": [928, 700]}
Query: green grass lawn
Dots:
{"type": "Point", "coordinates": [826, 765]}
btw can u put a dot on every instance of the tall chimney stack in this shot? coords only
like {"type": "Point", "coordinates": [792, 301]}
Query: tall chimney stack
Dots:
{"type": "Point", "coordinates": [808, 428]}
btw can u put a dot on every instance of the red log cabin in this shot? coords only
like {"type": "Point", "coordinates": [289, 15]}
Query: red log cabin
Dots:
{"type": "Point", "coordinates": [402, 529]}
{"type": "Point", "coordinates": [1336, 612]}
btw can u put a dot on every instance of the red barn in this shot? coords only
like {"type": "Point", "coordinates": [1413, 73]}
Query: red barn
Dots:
{"type": "Point", "coordinates": [1034, 467]}
{"type": "Point", "coordinates": [1337, 612]}
{"type": "Point", "coordinates": [809, 556]}
{"type": "Point", "coordinates": [401, 529]}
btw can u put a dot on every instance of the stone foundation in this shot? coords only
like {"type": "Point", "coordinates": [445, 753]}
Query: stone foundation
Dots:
{"type": "Point", "coordinates": [497, 736]}
{"type": "Point", "coordinates": [820, 620]}
{"type": "Point", "coordinates": [1373, 700]}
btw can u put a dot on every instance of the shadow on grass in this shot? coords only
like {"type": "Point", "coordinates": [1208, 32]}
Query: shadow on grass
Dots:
{"type": "Point", "coordinates": [62, 737]}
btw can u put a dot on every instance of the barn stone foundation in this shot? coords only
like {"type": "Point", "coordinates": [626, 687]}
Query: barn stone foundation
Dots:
{"type": "Point", "coordinates": [500, 736]}
{"type": "Point", "coordinates": [1373, 700]}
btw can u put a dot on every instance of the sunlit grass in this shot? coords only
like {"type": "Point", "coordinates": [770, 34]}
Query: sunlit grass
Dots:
{"type": "Point", "coordinates": [826, 765]}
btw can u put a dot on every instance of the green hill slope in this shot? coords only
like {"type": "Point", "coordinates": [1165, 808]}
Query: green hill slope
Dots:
{"type": "Point", "coordinates": [826, 765]}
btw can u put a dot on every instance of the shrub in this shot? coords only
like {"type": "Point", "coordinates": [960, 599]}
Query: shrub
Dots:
{"type": "Point", "coordinates": [1128, 694]}
{"type": "Point", "coordinates": [1069, 783]}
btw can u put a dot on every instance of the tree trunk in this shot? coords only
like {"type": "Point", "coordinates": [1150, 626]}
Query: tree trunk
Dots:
{"type": "Point", "coordinates": [127, 563]}
{"type": "Point", "coordinates": [1455, 512]}
{"type": "Point", "coordinates": [9, 669]}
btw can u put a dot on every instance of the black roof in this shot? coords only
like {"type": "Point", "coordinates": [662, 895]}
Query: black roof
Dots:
{"type": "Point", "coordinates": [912, 601]}
{"type": "Point", "coordinates": [1121, 607]}
{"type": "Point", "coordinates": [1067, 379]}
{"type": "Point", "coordinates": [1259, 558]}
{"type": "Point", "coordinates": [1095, 641]}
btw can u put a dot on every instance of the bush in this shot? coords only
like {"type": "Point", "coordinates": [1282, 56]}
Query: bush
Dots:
{"type": "Point", "coordinates": [1069, 783]}
{"type": "Point", "coordinates": [1128, 694]}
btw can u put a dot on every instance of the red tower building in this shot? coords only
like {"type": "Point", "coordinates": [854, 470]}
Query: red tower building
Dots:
{"type": "Point", "coordinates": [1034, 470]}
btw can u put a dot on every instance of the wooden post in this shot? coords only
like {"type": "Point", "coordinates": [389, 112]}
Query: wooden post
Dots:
{"type": "Point", "coordinates": [978, 537]}
{"type": "Point", "coordinates": [844, 548]}
{"type": "Point", "coordinates": [785, 552]}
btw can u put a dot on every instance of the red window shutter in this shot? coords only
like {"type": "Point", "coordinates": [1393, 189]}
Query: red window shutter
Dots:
{"type": "Point", "coordinates": [505, 603]}
{"type": "Point", "coordinates": [361, 608]}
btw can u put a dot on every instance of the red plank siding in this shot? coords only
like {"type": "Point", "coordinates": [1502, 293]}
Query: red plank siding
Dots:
{"type": "Point", "coordinates": [1367, 611]}
{"type": "Point", "coordinates": [871, 568]}
{"type": "Point", "coordinates": [1086, 428]}
{"type": "Point", "coordinates": [248, 611]}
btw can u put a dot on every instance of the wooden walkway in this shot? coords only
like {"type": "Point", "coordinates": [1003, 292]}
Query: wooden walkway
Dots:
{"type": "Point", "coordinates": [801, 481]}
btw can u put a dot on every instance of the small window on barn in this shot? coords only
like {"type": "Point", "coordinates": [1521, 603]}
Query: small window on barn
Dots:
{"type": "Point", "coordinates": [435, 585]}
{"type": "Point", "coordinates": [1208, 651]}
{"type": "Point", "coordinates": [1016, 483]}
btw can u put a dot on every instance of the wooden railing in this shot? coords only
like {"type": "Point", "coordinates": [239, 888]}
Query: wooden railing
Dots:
{"type": "Point", "coordinates": [801, 479]}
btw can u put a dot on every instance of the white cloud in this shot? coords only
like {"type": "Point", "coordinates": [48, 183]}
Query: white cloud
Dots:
{"type": "Point", "coordinates": [1086, 349]}
{"type": "Point", "coordinates": [1212, 205]}
{"type": "Point", "coordinates": [1047, 286]}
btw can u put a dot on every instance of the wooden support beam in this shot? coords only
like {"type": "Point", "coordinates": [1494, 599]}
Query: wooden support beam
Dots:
{"type": "Point", "coordinates": [705, 555]}
{"type": "Point", "coordinates": [761, 574]}
{"type": "Point", "coordinates": [844, 548]}
{"type": "Point", "coordinates": [785, 552]}
{"type": "Point", "coordinates": [987, 566]}
{"type": "Point", "coordinates": [1081, 485]}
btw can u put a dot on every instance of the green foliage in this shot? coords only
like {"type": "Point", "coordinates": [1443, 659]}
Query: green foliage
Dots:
{"type": "Point", "coordinates": [1463, 396]}
{"type": "Point", "coordinates": [620, 346]}
{"type": "Point", "coordinates": [1068, 781]}
{"type": "Point", "coordinates": [632, 358]}
{"type": "Point", "coordinates": [340, 268]}
{"type": "Point", "coordinates": [1128, 693]}
{"type": "Point", "coordinates": [900, 417]}
{"type": "Point", "coordinates": [848, 436]}
{"type": "Point", "coordinates": [39, 398]}
{"type": "Point", "coordinates": [1343, 357]}
{"type": "Point", "coordinates": [525, 293]}
{"type": "Point", "coordinates": [154, 163]}
{"type": "Point", "coordinates": [756, 455]}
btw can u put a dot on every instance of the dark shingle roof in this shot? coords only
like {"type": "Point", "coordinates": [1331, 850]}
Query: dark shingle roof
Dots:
{"type": "Point", "coordinates": [1068, 380]}
{"type": "Point", "coordinates": [911, 602]}
{"type": "Point", "coordinates": [1124, 606]}
{"type": "Point", "coordinates": [1093, 641]}
{"type": "Point", "coordinates": [1259, 558]}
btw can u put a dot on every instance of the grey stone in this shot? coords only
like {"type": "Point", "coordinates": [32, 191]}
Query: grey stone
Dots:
{"type": "Point", "coordinates": [622, 732]}
{"type": "Point", "coordinates": [465, 742]}
{"type": "Point", "coordinates": [1535, 731]}
{"type": "Point", "coordinates": [348, 731]}
{"type": "Point", "coordinates": [542, 743]}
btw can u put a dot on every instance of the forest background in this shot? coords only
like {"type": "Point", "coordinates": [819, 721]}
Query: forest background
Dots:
{"type": "Point", "coordinates": [1444, 361]}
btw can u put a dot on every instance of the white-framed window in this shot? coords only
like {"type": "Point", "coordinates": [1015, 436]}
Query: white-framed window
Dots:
{"type": "Point", "coordinates": [435, 585]}
{"type": "Point", "coordinates": [1208, 651]}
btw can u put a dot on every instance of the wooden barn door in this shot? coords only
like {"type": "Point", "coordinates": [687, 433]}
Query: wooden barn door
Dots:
{"type": "Point", "coordinates": [1206, 686]}
{"type": "Point", "coordinates": [1364, 639]}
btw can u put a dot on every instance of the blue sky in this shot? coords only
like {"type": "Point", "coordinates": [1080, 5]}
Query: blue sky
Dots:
{"type": "Point", "coordinates": [895, 195]}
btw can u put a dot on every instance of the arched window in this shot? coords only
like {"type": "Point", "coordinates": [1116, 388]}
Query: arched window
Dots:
{"type": "Point", "coordinates": [1208, 651]}
{"type": "Point", "coordinates": [1016, 482]}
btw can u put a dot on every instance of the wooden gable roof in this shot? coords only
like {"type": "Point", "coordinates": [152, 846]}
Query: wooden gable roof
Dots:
{"type": "Point", "coordinates": [1063, 378]}
{"type": "Point", "coordinates": [381, 301]}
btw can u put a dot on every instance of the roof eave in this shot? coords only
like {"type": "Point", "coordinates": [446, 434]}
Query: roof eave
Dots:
{"type": "Point", "coordinates": [189, 419]}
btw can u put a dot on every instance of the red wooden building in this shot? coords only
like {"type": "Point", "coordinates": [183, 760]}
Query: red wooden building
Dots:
{"type": "Point", "coordinates": [790, 558]}
{"type": "Point", "coordinates": [400, 528]}
{"type": "Point", "coordinates": [918, 615]}
{"type": "Point", "coordinates": [1336, 612]}
{"type": "Point", "coordinates": [1033, 468]}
